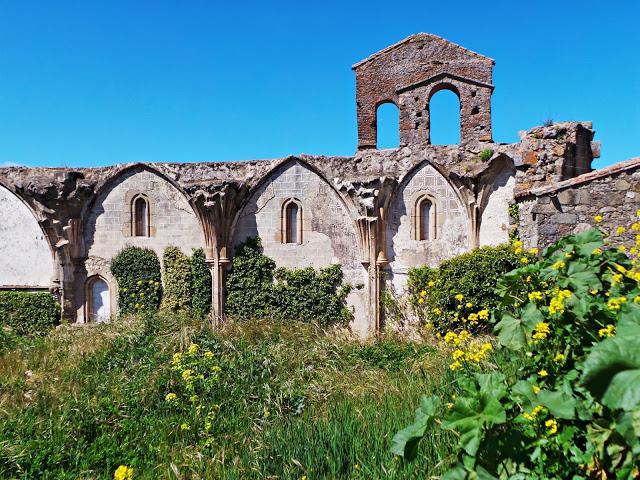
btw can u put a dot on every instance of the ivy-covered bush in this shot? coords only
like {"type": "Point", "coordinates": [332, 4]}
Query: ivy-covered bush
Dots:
{"type": "Point", "coordinates": [463, 285]}
{"type": "Point", "coordinates": [200, 285]}
{"type": "Point", "coordinates": [176, 295]}
{"type": "Point", "coordinates": [24, 313]}
{"type": "Point", "coordinates": [558, 395]}
{"type": "Point", "coordinates": [256, 289]}
{"type": "Point", "coordinates": [137, 271]}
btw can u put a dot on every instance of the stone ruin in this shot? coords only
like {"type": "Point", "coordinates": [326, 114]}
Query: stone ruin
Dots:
{"type": "Point", "coordinates": [377, 213]}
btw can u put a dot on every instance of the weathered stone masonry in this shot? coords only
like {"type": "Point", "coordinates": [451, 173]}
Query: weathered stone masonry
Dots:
{"type": "Point", "coordinates": [366, 212]}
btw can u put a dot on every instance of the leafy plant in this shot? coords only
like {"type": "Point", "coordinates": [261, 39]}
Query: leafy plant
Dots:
{"type": "Point", "coordinates": [257, 289]}
{"type": "Point", "coordinates": [25, 313]}
{"type": "Point", "coordinates": [177, 280]}
{"type": "Point", "coordinates": [200, 285]}
{"type": "Point", "coordinates": [462, 286]}
{"type": "Point", "coordinates": [137, 271]}
{"type": "Point", "coordinates": [560, 398]}
{"type": "Point", "coordinates": [486, 154]}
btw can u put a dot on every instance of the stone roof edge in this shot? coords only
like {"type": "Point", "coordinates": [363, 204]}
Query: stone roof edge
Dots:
{"type": "Point", "coordinates": [584, 178]}
{"type": "Point", "coordinates": [411, 37]}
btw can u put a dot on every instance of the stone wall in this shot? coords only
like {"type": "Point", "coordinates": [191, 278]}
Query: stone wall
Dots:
{"type": "Point", "coordinates": [548, 213]}
{"type": "Point", "coordinates": [25, 255]}
{"type": "Point", "coordinates": [452, 224]}
{"type": "Point", "coordinates": [328, 232]}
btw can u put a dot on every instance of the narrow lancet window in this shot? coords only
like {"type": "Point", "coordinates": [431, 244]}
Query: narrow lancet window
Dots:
{"type": "Point", "coordinates": [292, 222]}
{"type": "Point", "coordinates": [425, 214]}
{"type": "Point", "coordinates": [141, 217]}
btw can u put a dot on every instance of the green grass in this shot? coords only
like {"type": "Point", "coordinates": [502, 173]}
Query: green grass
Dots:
{"type": "Point", "coordinates": [82, 401]}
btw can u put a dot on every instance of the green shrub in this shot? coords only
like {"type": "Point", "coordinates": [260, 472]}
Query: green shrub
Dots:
{"type": "Point", "coordinates": [256, 289]}
{"type": "Point", "coordinates": [200, 285]}
{"type": "Point", "coordinates": [474, 275]}
{"type": "Point", "coordinates": [25, 313]}
{"type": "Point", "coordinates": [137, 271]}
{"type": "Point", "coordinates": [176, 294]}
{"type": "Point", "coordinates": [561, 398]}
{"type": "Point", "coordinates": [486, 154]}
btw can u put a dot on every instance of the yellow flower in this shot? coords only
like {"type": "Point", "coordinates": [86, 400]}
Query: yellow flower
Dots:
{"type": "Point", "coordinates": [483, 314]}
{"type": "Point", "coordinates": [524, 260]}
{"type": "Point", "coordinates": [459, 297]}
{"type": "Point", "coordinates": [185, 426]}
{"type": "Point", "coordinates": [450, 337]}
{"type": "Point", "coordinates": [533, 251]}
{"type": "Point", "coordinates": [455, 365]}
{"type": "Point", "coordinates": [193, 349]}
{"type": "Point", "coordinates": [615, 303]}
{"type": "Point", "coordinates": [552, 426]}
{"type": "Point", "coordinates": [608, 331]}
{"type": "Point", "coordinates": [449, 405]}
{"type": "Point", "coordinates": [598, 218]}
{"type": "Point", "coordinates": [266, 413]}
{"type": "Point", "coordinates": [593, 291]}
{"type": "Point", "coordinates": [535, 296]}
{"type": "Point", "coordinates": [558, 265]}
{"type": "Point", "coordinates": [469, 305]}
{"type": "Point", "coordinates": [543, 373]}
{"type": "Point", "coordinates": [617, 278]}
{"type": "Point", "coordinates": [431, 283]}
{"type": "Point", "coordinates": [123, 473]}
{"type": "Point", "coordinates": [421, 300]}
{"type": "Point", "coordinates": [597, 251]}
{"type": "Point", "coordinates": [559, 358]}
{"type": "Point", "coordinates": [536, 389]}
{"type": "Point", "coordinates": [458, 354]}
{"type": "Point", "coordinates": [186, 375]}
{"type": "Point", "coordinates": [622, 248]}
{"type": "Point", "coordinates": [437, 311]}
{"type": "Point", "coordinates": [171, 397]}
{"type": "Point", "coordinates": [208, 355]}
{"type": "Point", "coordinates": [528, 279]}
{"type": "Point", "coordinates": [556, 306]}
{"type": "Point", "coordinates": [635, 227]}
{"type": "Point", "coordinates": [620, 230]}
{"type": "Point", "coordinates": [423, 293]}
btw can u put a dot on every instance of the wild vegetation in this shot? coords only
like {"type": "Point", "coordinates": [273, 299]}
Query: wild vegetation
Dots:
{"type": "Point", "coordinates": [558, 394]}
{"type": "Point", "coordinates": [170, 397]}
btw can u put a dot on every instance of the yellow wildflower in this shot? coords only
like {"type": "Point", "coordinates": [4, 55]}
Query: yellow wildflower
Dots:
{"type": "Point", "coordinates": [171, 397]}
{"type": "Point", "coordinates": [431, 283]}
{"type": "Point", "coordinates": [208, 355]}
{"type": "Point", "coordinates": [556, 306]}
{"type": "Point", "coordinates": [533, 251]}
{"type": "Point", "coordinates": [615, 303]}
{"type": "Point", "coordinates": [635, 227]}
{"type": "Point", "coordinates": [541, 331]}
{"type": "Point", "coordinates": [617, 278]}
{"type": "Point", "coordinates": [524, 260]}
{"type": "Point", "coordinates": [459, 297]}
{"type": "Point", "coordinates": [450, 337]}
{"type": "Point", "coordinates": [455, 365]}
{"type": "Point", "coordinates": [458, 354]}
{"type": "Point", "coordinates": [536, 389]}
{"type": "Point", "coordinates": [187, 375]}
{"type": "Point", "coordinates": [598, 218]}
{"type": "Point", "coordinates": [437, 311]}
{"type": "Point", "coordinates": [483, 314]}
{"type": "Point", "coordinates": [620, 230]}
{"type": "Point", "coordinates": [622, 248]}
{"type": "Point", "coordinates": [593, 291]}
{"type": "Point", "coordinates": [423, 293]}
{"type": "Point", "coordinates": [123, 473]}
{"type": "Point", "coordinates": [558, 265]}
{"type": "Point", "coordinates": [552, 426]}
{"type": "Point", "coordinates": [533, 296]}
{"type": "Point", "coordinates": [597, 251]}
{"type": "Point", "coordinates": [559, 358]}
{"type": "Point", "coordinates": [608, 331]}
{"type": "Point", "coordinates": [473, 317]}
{"type": "Point", "coordinates": [449, 405]}
{"type": "Point", "coordinates": [543, 373]}
{"type": "Point", "coordinates": [185, 426]}
{"type": "Point", "coordinates": [421, 300]}
{"type": "Point", "coordinates": [193, 349]}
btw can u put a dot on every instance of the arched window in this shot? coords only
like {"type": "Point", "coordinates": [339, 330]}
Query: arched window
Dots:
{"type": "Point", "coordinates": [98, 300]}
{"type": "Point", "coordinates": [425, 219]}
{"type": "Point", "coordinates": [140, 216]}
{"type": "Point", "coordinates": [291, 221]}
{"type": "Point", "coordinates": [388, 126]}
{"type": "Point", "coordinates": [444, 117]}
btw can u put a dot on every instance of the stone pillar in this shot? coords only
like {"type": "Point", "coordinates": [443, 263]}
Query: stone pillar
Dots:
{"type": "Point", "coordinates": [218, 268]}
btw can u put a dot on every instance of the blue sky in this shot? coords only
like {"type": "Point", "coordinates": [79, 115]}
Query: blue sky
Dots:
{"type": "Point", "coordinates": [96, 83]}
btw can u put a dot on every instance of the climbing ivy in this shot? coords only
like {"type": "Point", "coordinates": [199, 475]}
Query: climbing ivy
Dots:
{"type": "Point", "coordinates": [137, 271]}
{"type": "Point", "coordinates": [200, 285]}
{"type": "Point", "coordinates": [257, 289]}
{"type": "Point", "coordinates": [26, 313]}
{"type": "Point", "coordinates": [177, 280]}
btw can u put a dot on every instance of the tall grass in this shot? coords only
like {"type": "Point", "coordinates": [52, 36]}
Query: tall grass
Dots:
{"type": "Point", "coordinates": [82, 401]}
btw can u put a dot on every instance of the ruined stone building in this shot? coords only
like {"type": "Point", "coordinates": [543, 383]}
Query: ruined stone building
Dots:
{"type": "Point", "coordinates": [377, 213]}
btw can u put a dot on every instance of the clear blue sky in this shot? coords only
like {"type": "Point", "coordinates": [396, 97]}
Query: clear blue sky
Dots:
{"type": "Point", "coordinates": [90, 83]}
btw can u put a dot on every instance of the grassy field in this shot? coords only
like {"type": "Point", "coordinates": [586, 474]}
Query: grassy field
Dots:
{"type": "Point", "coordinates": [294, 402]}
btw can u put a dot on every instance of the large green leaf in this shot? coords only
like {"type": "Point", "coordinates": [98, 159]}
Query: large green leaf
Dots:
{"type": "Point", "coordinates": [470, 415]}
{"type": "Point", "coordinates": [629, 323]}
{"type": "Point", "coordinates": [580, 276]}
{"type": "Point", "coordinates": [405, 442]}
{"type": "Point", "coordinates": [559, 404]}
{"type": "Point", "coordinates": [612, 372]}
{"type": "Point", "coordinates": [513, 332]}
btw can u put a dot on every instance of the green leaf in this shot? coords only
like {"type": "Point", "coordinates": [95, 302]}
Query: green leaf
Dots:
{"type": "Point", "coordinates": [629, 323]}
{"type": "Point", "coordinates": [581, 276]}
{"type": "Point", "coordinates": [513, 332]}
{"type": "Point", "coordinates": [558, 403]}
{"type": "Point", "coordinates": [470, 415]}
{"type": "Point", "coordinates": [405, 442]}
{"type": "Point", "coordinates": [456, 473]}
{"type": "Point", "coordinates": [612, 372]}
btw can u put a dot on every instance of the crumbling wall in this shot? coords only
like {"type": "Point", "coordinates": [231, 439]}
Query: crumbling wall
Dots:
{"type": "Point", "coordinates": [548, 213]}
